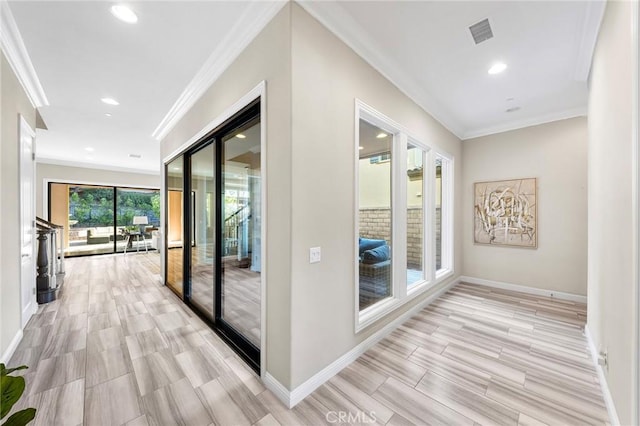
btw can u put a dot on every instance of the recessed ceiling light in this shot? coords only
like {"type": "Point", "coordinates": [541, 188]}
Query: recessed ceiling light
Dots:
{"type": "Point", "coordinates": [110, 101]}
{"type": "Point", "coordinates": [361, 147]}
{"type": "Point", "coordinates": [124, 14]}
{"type": "Point", "coordinates": [514, 109]}
{"type": "Point", "coordinates": [240, 136]}
{"type": "Point", "coordinates": [89, 149]}
{"type": "Point", "coordinates": [497, 68]}
{"type": "Point", "coordinates": [382, 135]}
{"type": "Point", "coordinates": [135, 155]}
{"type": "Point", "coordinates": [88, 157]}
{"type": "Point", "coordinates": [107, 114]}
{"type": "Point", "coordinates": [175, 168]}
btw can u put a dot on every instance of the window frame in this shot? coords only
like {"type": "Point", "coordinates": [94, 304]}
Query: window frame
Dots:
{"type": "Point", "coordinates": [446, 217]}
{"type": "Point", "coordinates": [428, 240]}
{"type": "Point", "coordinates": [401, 292]}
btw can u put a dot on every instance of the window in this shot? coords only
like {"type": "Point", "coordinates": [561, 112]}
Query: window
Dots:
{"type": "Point", "coordinates": [403, 228]}
{"type": "Point", "coordinates": [374, 214]}
{"type": "Point", "coordinates": [443, 215]}
{"type": "Point", "coordinates": [415, 215]}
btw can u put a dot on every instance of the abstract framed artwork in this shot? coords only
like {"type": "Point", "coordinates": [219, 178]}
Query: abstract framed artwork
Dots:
{"type": "Point", "coordinates": [505, 213]}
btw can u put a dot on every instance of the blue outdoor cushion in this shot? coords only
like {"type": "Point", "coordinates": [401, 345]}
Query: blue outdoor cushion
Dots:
{"type": "Point", "coordinates": [368, 244]}
{"type": "Point", "coordinates": [376, 255]}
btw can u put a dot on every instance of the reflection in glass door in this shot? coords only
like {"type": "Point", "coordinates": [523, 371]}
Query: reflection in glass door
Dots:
{"type": "Point", "coordinates": [240, 225]}
{"type": "Point", "coordinates": [174, 214]}
{"type": "Point", "coordinates": [202, 270]}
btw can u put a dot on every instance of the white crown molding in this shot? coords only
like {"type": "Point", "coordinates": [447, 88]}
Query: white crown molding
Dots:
{"type": "Point", "coordinates": [293, 397]}
{"type": "Point", "coordinates": [16, 53]}
{"type": "Point", "coordinates": [248, 26]}
{"type": "Point", "coordinates": [524, 289]}
{"type": "Point", "coordinates": [257, 92]}
{"type": "Point", "coordinates": [520, 124]}
{"type": "Point", "coordinates": [594, 11]}
{"type": "Point", "coordinates": [70, 163]}
{"type": "Point", "coordinates": [606, 393]}
{"type": "Point", "coordinates": [343, 26]}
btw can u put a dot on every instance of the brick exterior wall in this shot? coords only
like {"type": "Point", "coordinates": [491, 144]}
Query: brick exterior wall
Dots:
{"type": "Point", "coordinates": [414, 240]}
{"type": "Point", "coordinates": [376, 223]}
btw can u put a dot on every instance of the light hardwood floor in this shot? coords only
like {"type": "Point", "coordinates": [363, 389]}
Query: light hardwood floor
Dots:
{"type": "Point", "coordinates": [119, 348]}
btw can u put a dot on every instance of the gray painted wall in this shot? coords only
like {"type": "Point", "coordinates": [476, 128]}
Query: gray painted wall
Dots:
{"type": "Point", "coordinates": [268, 58]}
{"type": "Point", "coordinates": [14, 102]}
{"type": "Point", "coordinates": [611, 276]}
{"type": "Point", "coordinates": [327, 77]}
{"type": "Point", "coordinates": [555, 154]}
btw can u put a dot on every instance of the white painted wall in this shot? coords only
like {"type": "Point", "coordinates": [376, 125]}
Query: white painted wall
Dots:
{"type": "Point", "coordinates": [14, 101]}
{"type": "Point", "coordinates": [69, 174]}
{"type": "Point", "coordinates": [555, 154]}
{"type": "Point", "coordinates": [611, 277]}
{"type": "Point", "coordinates": [327, 77]}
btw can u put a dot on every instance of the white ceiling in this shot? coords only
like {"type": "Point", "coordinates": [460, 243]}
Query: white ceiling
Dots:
{"type": "Point", "coordinates": [425, 47]}
{"type": "Point", "coordinates": [81, 53]}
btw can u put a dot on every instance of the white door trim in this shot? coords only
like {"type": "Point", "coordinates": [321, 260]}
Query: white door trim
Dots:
{"type": "Point", "coordinates": [27, 309]}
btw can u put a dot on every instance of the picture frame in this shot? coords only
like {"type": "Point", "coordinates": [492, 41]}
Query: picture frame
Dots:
{"type": "Point", "coordinates": [505, 213]}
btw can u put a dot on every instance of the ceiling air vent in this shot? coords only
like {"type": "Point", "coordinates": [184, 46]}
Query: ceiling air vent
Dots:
{"type": "Point", "coordinates": [481, 31]}
{"type": "Point", "coordinates": [135, 156]}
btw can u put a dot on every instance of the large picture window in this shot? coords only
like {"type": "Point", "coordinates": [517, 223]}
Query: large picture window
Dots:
{"type": "Point", "coordinates": [98, 218]}
{"type": "Point", "coordinates": [403, 226]}
{"type": "Point", "coordinates": [374, 214]}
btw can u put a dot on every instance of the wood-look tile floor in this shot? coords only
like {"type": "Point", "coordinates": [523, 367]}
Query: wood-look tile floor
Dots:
{"type": "Point", "coordinates": [119, 348]}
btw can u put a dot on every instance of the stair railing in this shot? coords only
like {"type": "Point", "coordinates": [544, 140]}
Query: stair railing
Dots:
{"type": "Point", "coordinates": [231, 228]}
{"type": "Point", "coordinates": [50, 260]}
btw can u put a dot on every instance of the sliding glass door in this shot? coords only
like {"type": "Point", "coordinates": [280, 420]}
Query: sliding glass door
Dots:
{"type": "Point", "coordinates": [222, 217]}
{"type": "Point", "coordinates": [96, 218]}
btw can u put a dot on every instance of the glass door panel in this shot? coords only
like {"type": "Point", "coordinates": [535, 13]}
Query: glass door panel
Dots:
{"type": "Point", "coordinates": [202, 271]}
{"type": "Point", "coordinates": [137, 215]}
{"type": "Point", "coordinates": [174, 213]}
{"type": "Point", "coordinates": [241, 234]}
{"type": "Point", "coordinates": [90, 220]}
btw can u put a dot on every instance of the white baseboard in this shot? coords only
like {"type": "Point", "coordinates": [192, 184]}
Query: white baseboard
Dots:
{"type": "Point", "coordinates": [606, 394]}
{"type": "Point", "coordinates": [278, 389]}
{"type": "Point", "coordinates": [524, 289]}
{"type": "Point", "coordinates": [8, 353]}
{"type": "Point", "coordinates": [291, 398]}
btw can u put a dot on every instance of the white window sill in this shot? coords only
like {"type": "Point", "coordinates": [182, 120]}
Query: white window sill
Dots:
{"type": "Point", "coordinates": [375, 312]}
{"type": "Point", "coordinates": [379, 310]}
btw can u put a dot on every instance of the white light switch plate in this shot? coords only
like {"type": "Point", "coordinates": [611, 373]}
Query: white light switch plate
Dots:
{"type": "Point", "coordinates": [315, 254]}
